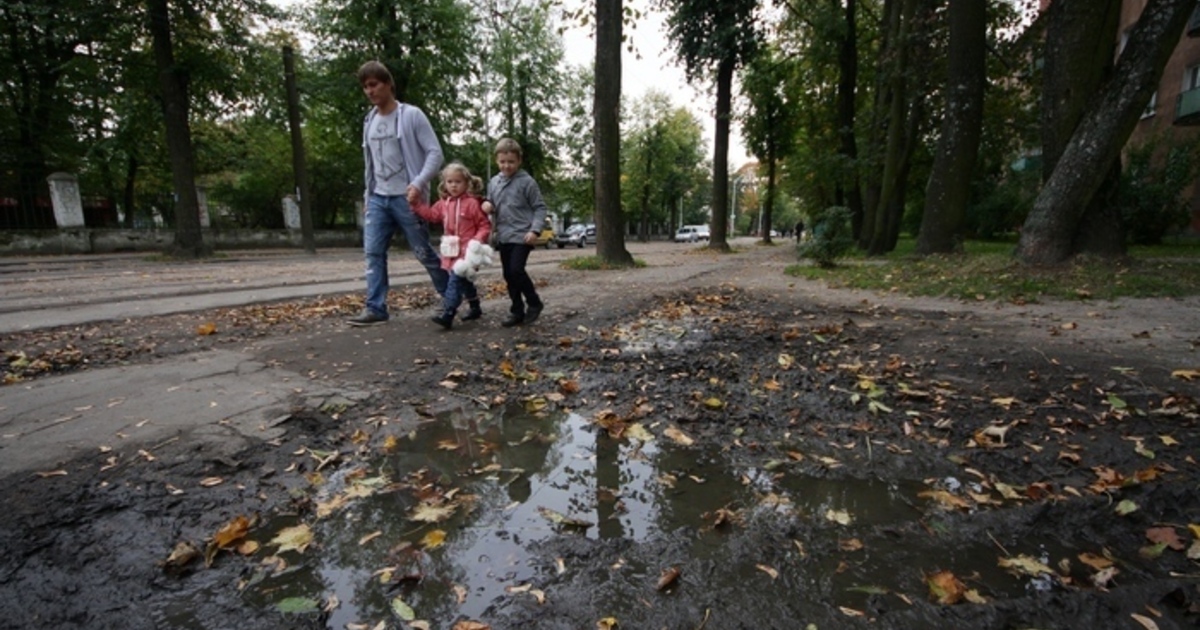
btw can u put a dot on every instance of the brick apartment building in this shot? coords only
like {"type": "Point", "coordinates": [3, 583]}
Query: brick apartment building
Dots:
{"type": "Point", "coordinates": [1174, 110]}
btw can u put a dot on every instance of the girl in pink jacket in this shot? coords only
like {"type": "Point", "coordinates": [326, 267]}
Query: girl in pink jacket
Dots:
{"type": "Point", "coordinates": [462, 221]}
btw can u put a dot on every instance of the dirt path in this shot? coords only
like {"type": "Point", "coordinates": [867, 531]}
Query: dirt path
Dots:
{"type": "Point", "coordinates": [750, 450]}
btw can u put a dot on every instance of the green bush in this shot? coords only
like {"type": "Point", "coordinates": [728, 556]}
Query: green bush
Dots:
{"type": "Point", "coordinates": [832, 237]}
{"type": "Point", "coordinates": [1003, 205]}
{"type": "Point", "coordinates": [1150, 194]}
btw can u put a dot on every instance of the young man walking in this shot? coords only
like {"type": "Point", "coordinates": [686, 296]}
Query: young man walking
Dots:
{"type": "Point", "coordinates": [401, 153]}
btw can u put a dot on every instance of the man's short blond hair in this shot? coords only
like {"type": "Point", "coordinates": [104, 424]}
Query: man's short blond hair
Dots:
{"type": "Point", "coordinates": [508, 145]}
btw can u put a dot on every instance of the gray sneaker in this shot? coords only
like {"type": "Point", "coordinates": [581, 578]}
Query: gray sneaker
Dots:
{"type": "Point", "coordinates": [367, 318]}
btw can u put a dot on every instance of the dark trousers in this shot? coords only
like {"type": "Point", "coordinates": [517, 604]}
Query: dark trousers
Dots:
{"type": "Point", "coordinates": [513, 257]}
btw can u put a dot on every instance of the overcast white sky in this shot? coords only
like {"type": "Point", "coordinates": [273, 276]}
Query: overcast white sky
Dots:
{"type": "Point", "coordinates": [656, 69]}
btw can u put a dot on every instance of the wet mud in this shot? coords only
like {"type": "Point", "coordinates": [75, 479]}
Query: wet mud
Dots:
{"type": "Point", "coordinates": [695, 457]}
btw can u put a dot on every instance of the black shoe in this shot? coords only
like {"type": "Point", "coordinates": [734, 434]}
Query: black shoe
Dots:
{"type": "Point", "coordinates": [513, 320]}
{"type": "Point", "coordinates": [474, 313]}
{"type": "Point", "coordinates": [532, 312]}
{"type": "Point", "coordinates": [366, 318]}
{"type": "Point", "coordinates": [445, 320]}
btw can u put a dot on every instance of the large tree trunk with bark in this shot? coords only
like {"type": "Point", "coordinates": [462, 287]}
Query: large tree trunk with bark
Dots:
{"type": "Point", "coordinates": [189, 241]}
{"type": "Point", "coordinates": [720, 228]}
{"type": "Point", "coordinates": [1078, 57]}
{"type": "Point", "coordinates": [949, 188]}
{"type": "Point", "coordinates": [1054, 230]}
{"type": "Point", "coordinates": [610, 226]}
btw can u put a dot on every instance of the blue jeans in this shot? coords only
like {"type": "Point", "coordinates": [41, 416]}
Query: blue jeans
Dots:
{"type": "Point", "coordinates": [458, 289]}
{"type": "Point", "coordinates": [384, 215]}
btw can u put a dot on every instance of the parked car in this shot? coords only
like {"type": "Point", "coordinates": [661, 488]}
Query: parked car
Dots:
{"type": "Point", "coordinates": [692, 234]}
{"type": "Point", "coordinates": [545, 238]}
{"type": "Point", "coordinates": [578, 235]}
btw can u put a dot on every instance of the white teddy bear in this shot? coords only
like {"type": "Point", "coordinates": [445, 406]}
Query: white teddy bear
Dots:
{"type": "Point", "coordinates": [478, 255]}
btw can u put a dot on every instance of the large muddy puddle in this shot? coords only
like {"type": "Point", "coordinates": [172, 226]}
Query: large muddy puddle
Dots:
{"type": "Point", "coordinates": [495, 487]}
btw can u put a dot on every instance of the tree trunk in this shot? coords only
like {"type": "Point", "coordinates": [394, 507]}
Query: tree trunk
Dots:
{"type": "Point", "coordinates": [189, 241]}
{"type": "Point", "coordinates": [1051, 233]}
{"type": "Point", "coordinates": [720, 199]}
{"type": "Point", "coordinates": [1078, 60]}
{"type": "Point", "coordinates": [877, 133]}
{"type": "Point", "coordinates": [299, 161]}
{"type": "Point", "coordinates": [768, 210]}
{"type": "Point", "coordinates": [949, 188]}
{"type": "Point", "coordinates": [876, 231]}
{"type": "Point", "coordinates": [846, 111]}
{"type": "Point", "coordinates": [610, 229]}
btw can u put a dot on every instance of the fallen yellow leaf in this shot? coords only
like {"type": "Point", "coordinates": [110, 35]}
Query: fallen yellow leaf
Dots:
{"type": "Point", "coordinates": [1187, 375]}
{"type": "Point", "coordinates": [433, 539]}
{"type": "Point", "coordinates": [679, 436]}
{"type": "Point", "coordinates": [768, 570]}
{"type": "Point", "coordinates": [945, 588]}
{"type": "Point", "coordinates": [232, 532]}
{"type": "Point", "coordinates": [296, 538]}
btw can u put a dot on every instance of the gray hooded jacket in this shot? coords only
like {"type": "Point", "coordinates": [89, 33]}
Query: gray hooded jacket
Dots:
{"type": "Point", "coordinates": [519, 207]}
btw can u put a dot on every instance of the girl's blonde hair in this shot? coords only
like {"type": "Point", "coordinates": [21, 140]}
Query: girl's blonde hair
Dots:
{"type": "Point", "coordinates": [474, 182]}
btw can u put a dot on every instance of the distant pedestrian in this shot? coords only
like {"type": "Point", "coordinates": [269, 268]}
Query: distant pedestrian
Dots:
{"type": "Point", "coordinates": [518, 212]}
{"type": "Point", "coordinates": [463, 220]}
{"type": "Point", "coordinates": [401, 154]}
{"type": "Point", "coordinates": [799, 230]}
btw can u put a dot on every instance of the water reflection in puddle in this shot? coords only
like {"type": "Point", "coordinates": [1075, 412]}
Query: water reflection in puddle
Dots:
{"type": "Point", "coordinates": [626, 490]}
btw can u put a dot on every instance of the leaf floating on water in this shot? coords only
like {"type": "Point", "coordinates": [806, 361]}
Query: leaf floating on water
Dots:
{"type": "Point", "coordinates": [561, 519]}
{"type": "Point", "coordinates": [841, 517]}
{"type": "Point", "coordinates": [297, 538]}
{"type": "Point", "coordinates": [298, 605]}
{"type": "Point", "coordinates": [402, 610]}
{"type": "Point", "coordinates": [429, 513]}
{"type": "Point", "coordinates": [433, 539]}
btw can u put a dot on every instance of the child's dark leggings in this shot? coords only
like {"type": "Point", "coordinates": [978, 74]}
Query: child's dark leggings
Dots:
{"type": "Point", "coordinates": [513, 257]}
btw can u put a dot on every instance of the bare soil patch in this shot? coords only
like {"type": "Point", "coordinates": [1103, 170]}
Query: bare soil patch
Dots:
{"type": "Point", "coordinates": [1051, 443]}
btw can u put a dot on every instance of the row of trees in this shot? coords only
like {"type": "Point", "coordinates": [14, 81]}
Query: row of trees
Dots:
{"type": "Point", "coordinates": [910, 109]}
{"type": "Point", "coordinates": [901, 110]}
{"type": "Point", "coordinates": [145, 99]}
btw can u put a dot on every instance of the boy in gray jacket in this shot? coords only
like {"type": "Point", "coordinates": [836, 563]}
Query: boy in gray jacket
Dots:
{"type": "Point", "coordinates": [518, 213]}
